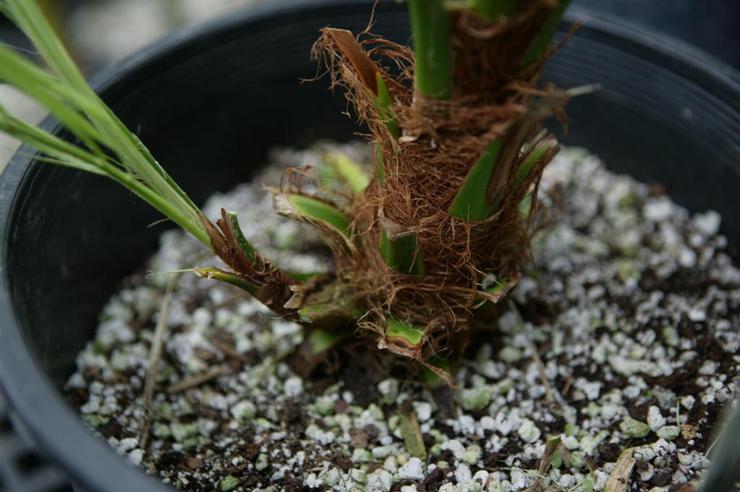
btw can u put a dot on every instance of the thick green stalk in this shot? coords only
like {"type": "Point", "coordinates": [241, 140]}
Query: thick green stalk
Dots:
{"type": "Point", "coordinates": [430, 30]}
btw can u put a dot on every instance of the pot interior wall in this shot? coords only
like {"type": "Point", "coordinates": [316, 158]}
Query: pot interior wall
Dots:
{"type": "Point", "coordinates": [210, 109]}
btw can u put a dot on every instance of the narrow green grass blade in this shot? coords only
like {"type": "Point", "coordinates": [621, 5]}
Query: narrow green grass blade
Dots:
{"type": "Point", "coordinates": [44, 89]}
{"type": "Point", "coordinates": [430, 28]}
{"type": "Point", "coordinates": [119, 153]}
{"type": "Point", "coordinates": [404, 331]}
{"type": "Point", "coordinates": [542, 41]}
{"type": "Point", "coordinates": [491, 9]}
{"type": "Point", "coordinates": [471, 202]}
{"type": "Point", "coordinates": [383, 103]}
{"type": "Point", "coordinates": [128, 148]}
{"type": "Point", "coordinates": [63, 152]}
{"type": "Point", "coordinates": [319, 211]}
{"type": "Point", "coordinates": [226, 277]}
{"type": "Point", "coordinates": [349, 171]}
{"type": "Point", "coordinates": [402, 254]}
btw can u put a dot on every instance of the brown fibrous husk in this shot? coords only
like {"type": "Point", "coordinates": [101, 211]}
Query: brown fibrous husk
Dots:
{"type": "Point", "coordinates": [424, 169]}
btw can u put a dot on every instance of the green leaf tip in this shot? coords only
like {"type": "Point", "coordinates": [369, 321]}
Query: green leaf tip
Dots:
{"type": "Point", "coordinates": [322, 212]}
{"type": "Point", "coordinates": [471, 201]}
{"type": "Point", "coordinates": [348, 171]}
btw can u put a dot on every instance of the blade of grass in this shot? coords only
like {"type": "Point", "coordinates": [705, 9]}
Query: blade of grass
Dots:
{"type": "Point", "coordinates": [66, 94]}
{"type": "Point", "coordinates": [471, 201]}
{"type": "Point", "coordinates": [430, 28]}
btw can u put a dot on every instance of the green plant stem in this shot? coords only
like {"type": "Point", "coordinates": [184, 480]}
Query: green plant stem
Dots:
{"type": "Point", "coordinates": [430, 28]}
{"type": "Point", "coordinates": [491, 9]}
{"type": "Point", "coordinates": [542, 41]}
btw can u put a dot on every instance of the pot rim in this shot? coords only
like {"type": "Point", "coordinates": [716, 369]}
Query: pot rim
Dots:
{"type": "Point", "coordinates": [55, 427]}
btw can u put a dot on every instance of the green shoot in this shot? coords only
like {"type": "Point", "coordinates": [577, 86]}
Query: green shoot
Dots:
{"type": "Point", "coordinates": [108, 147]}
{"type": "Point", "coordinates": [383, 103]}
{"type": "Point", "coordinates": [542, 41]}
{"type": "Point", "coordinates": [471, 201]}
{"type": "Point", "coordinates": [246, 248]}
{"type": "Point", "coordinates": [406, 334]}
{"type": "Point", "coordinates": [349, 171]}
{"type": "Point", "coordinates": [402, 253]}
{"type": "Point", "coordinates": [315, 210]}
{"type": "Point", "coordinates": [431, 38]}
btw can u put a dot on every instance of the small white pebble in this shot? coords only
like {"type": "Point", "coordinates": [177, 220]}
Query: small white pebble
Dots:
{"type": "Point", "coordinates": [655, 419]}
{"type": "Point", "coordinates": [413, 470]}
{"type": "Point", "coordinates": [528, 431]}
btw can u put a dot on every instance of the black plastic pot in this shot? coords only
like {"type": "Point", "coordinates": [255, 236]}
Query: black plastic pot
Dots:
{"type": "Point", "coordinates": [212, 101]}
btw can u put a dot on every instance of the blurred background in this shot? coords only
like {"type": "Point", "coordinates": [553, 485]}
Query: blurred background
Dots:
{"type": "Point", "coordinates": [101, 32]}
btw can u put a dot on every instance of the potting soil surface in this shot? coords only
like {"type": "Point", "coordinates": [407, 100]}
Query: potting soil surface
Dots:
{"type": "Point", "coordinates": [612, 360]}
